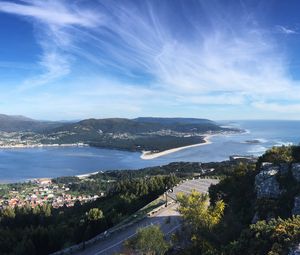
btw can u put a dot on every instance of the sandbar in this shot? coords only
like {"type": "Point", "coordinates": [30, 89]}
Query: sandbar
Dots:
{"type": "Point", "coordinates": [152, 155]}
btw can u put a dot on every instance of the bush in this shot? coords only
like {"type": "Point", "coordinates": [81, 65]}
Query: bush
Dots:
{"type": "Point", "coordinates": [275, 237]}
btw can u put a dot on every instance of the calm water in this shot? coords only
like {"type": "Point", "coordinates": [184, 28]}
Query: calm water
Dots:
{"type": "Point", "coordinates": [23, 164]}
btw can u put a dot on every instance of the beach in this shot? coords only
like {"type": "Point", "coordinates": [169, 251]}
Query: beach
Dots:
{"type": "Point", "coordinates": [146, 155]}
{"type": "Point", "coordinates": [84, 176]}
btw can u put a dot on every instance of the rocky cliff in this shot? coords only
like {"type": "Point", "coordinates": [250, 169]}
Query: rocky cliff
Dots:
{"type": "Point", "coordinates": [277, 189]}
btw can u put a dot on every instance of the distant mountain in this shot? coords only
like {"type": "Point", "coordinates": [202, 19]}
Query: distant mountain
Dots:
{"type": "Point", "coordinates": [14, 117]}
{"type": "Point", "coordinates": [173, 120]}
{"type": "Point", "coordinates": [181, 124]}
{"type": "Point", "coordinates": [142, 125]}
{"type": "Point", "coordinates": [154, 134]}
{"type": "Point", "coordinates": [17, 123]}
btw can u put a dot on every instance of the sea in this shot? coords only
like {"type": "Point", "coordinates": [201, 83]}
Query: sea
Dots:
{"type": "Point", "coordinates": [28, 163]}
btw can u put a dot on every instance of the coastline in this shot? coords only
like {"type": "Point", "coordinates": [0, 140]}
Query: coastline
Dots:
{"type": "Point", "coordinates": [84, 176]}
{"type": "Point", "coordinates": [147, 155]}
{"type": "Point", "coordinates": [20, 146]}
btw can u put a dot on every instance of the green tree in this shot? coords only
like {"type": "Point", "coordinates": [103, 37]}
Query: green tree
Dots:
{"type": "Point", "coordinates": [8, 213]}
{"type": "Point", "coordinates": [283, 154]}
{"type": "Point", "coordinates": [275, 237]}
{"type": "Point", "coordinates": [201, 218]}
{"type": "Point", "coordinates": [94, 214]}
{"type": "Point", "coordinates": [46, 210]}
{"type": "Point", "coordinates": [25, 247]}
{"type": "Point", "coordinates": [149, 241]}
{"type": "Point", "coordinates": [196, 210]}
{"type": "Point", "coordinates": [238, 193]}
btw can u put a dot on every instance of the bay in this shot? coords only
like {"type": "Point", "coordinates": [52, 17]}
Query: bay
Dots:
{"type": "Point", "coordinates": [28, 163]}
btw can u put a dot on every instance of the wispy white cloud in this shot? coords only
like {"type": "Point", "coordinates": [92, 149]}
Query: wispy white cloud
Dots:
{"type": "Point", "coordinates": [52, 12]}
{"type": "Point", "coordinates": [286, 30]}
{"type": "Point", "coordinates": [55, 66]}
{"type": "Point", "coordinates": [52, 19]}
{"type": "Point", "coordinates": [277, 107]}
{"type": "Point", "coordinates": [237, 59]}
{"type": "Point", "coordinates": [223, 99]}
{"type": "Point", "coordinates": [207, 59]}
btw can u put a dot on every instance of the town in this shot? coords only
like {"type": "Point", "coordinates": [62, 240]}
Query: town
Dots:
{"type": "Point", "coordinates": [41, 192]}
{"type": "Point", "coordinates": [31, 139]}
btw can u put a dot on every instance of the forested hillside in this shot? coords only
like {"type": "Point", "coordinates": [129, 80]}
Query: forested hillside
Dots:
{"type": "Point", "coordinates": [10, 123]}
{"type": "Point", "coordinates": [141, 134]}
{"type": "Point", "coordinates": [43, 229]}
{"type": "Point", "coordinates": [254, 210]}
{"type": "Point", "coordinates": [151, 134]}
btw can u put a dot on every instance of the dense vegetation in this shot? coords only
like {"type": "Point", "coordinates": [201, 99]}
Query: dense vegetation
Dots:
{"type": "Point", "coordinates": [274, 237]}
{"type": "Point", "coordinates": [42, 230]}
{"type": "Point", "coordinates": [206, 227]}
{"type": "Point", "coordinates": [142, 125]}
{"type": "Point", "coordinates": [20, 123]}
{"type": "Point", "coordinates": [200, 218]}
{"type": "Point", "coordinates": [140, 143]}
{"type": "Point", "coordinates": [103, 180]}
{"type": "Point", "coordinates": [234, 232]}
{"type": "Point", "coordinates": [149, 240]}
{"type": "Point", "coordinates": [151, 134]}
{"type": "Point", "coordinates": [282, 206]}
{"type": "Point", "coordinates": [222, 225]}
{"type": "Point", "coordinates": [180, 169]}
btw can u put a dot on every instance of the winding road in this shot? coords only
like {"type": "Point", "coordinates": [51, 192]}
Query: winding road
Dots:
{"type": "Point", "coordinates": [113, 243]}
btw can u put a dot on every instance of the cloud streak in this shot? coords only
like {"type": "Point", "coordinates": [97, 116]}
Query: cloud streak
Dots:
{"type": "Point", "coordinates": [52, 20]}
{"type": "Point", "coordinates": [51, 12]}
{"type": "Point", "coordinates": [221, 57]}
{"type": "Point", "coordinates": [285, 30]}
{"type": "Point", "coordinates": [184, 56]}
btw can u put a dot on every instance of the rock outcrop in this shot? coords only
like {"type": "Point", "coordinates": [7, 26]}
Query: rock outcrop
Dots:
{"type": "Point", "coordinates": [295, 251]}
{"type": "Point", "coordinates": [296, 209]}
{"type": "Point", "coordinates": [266, 184]}
{"type": "Point", "coordinates": [284, 168]}
{"type": "Point", "coordinates": [296, 171]}
{"type": "Point", "coordinates": [268, 187]}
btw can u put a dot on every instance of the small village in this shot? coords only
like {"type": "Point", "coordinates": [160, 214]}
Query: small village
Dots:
{"type": "Point", "coordinates": [44, 192]}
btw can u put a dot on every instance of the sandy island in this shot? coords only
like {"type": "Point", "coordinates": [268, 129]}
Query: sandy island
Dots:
{"type": "Point", "coordinates": [152, 155]}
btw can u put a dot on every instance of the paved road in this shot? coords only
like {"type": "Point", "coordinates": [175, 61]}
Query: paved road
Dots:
{"type": "Point", "coordinates": [200, 185]}
{"type": "Point", "coordinates": [113, 243]}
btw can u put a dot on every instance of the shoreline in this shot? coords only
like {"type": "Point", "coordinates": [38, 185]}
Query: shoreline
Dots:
{"type": "Point", "coordinates": [84, 176]}
{"type": "Point", "coordinates": [148, 155]}
{"type": "Point", "coordinates": [24, 146]}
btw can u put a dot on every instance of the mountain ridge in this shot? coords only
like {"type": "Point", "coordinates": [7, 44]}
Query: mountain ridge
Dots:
{"type": "Point", "coordinates": [140, 134]}
{"type": "Point", "coordinates": [19, 123]}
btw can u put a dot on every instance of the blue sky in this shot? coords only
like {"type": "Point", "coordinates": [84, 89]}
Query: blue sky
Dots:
{"type": "Point", "coordinates": [72, 59]}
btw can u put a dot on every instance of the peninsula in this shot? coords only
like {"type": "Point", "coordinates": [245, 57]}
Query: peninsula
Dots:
{"type": "Point", "coordinates": [152, 155]}
{"type": "Point", "coordinates": [154, 137]}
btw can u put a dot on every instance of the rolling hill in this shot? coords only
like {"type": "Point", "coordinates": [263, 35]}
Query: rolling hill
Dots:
{"type": "Point", "coordinates": [151, 134]}
{"type": "Point", "coordinates": [145, 133]}
{"type": "Point", "coordinates": [18, 123]}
